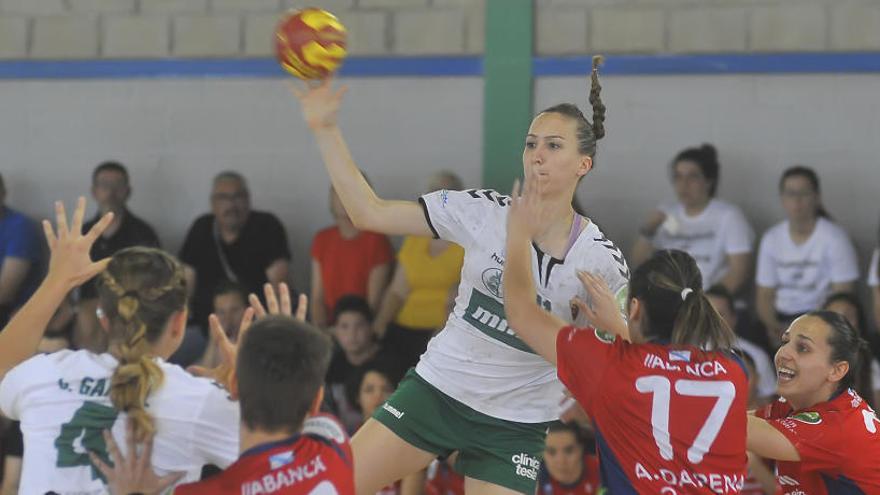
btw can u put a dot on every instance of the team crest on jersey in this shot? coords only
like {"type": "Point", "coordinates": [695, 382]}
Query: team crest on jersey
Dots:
{"type": "Point", "coordinates": [281, 459]}
{"type": "Point", "coordinates": [492, 281]}
{"type": "Point", "coordinates": [604, 336]}
{"type": "Point", "coordinates": [809, 417]}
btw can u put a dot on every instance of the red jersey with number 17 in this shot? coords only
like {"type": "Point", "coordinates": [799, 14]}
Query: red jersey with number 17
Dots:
{"type": "Point", "coordinates": [838, 443]}
{"type": "Point", "coordinates": [317, 461]}
{"type": "Point", "coordinates": [668, 420]}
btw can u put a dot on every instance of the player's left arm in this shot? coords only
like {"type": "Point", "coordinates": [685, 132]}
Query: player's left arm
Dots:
{"type": "Point", "coordinates": [536, 327]}
{"type": "Point", "coordinates": [768, 442]}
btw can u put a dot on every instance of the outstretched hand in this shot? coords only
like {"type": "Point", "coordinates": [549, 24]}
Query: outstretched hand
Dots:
{"type": "Point", "coordinates": [320, 102]}
{"type": "Point", "coordinates": [526, 204]}
{"type": "Point", "coordinates": [277, 305]}
{"type": "Point", "coordinates": [70, 263]}
{"type": "Point", "coordinates": [603, 311]}
{"type": "Point", "coordinates": [132, 472]}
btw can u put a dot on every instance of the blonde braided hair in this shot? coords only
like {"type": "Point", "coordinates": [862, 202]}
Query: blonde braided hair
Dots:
{"type": "Point", "coordinates": [139, 291]}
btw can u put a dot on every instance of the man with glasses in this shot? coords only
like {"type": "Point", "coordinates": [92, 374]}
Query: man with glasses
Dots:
{"type": "Point", "coordinates": [232, 244]}
{"type": "Point", "coordinates": [111, 189]}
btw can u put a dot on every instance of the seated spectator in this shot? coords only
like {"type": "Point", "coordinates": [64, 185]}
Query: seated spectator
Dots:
{"type": "Point", "coordinates": [232, 243]}
{"type": "Point", "coordinates": [850, 307]}
{"type": "Point", "coordinates": [722, 301]}
{"type": "Point", "coordinates": [346, 260]}
{"type": "Point", "coordinates": [714, 232]}
{"type": "Point", "coordinates": [874, 284]}
{"type": "Point", "coordinates": [368, 389]}
{"type": "Point", "coordinates": [569, 468]}
{"type": "Point", "coordinates": [229, 303]}
{"type": "Point", "coordinates": [802, 259]}
{"type": "Point", "coordinates": [21, 255]}
{"type": "Point", "coordinates": [111, 189]}
{"type": "Point", "coordinates": [415, 305]}
{"type": "Point", "coordinates": [356, 349]}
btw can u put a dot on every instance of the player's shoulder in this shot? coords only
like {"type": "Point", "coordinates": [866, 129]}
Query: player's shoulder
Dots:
{"type": "Point", "coordinates": [179, 383]}
{"type": "Point", "coordinates": [472, 199]}
{"type": "Point", "coordinates": [325, 427]}
{"type": "Point", "coordinates": [598, 252]}
{"type": "Point", "coordinates": [777, 232]}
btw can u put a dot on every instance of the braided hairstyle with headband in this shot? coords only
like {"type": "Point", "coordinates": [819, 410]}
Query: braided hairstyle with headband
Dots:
{"type": "Point", "coordinates": [138, 292]}
{"type": "Point", "coordinates": [587, 133]}
{"type": "Point", "coordinates": [670, 288]}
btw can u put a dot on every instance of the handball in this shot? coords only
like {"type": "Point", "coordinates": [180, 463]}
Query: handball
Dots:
{"type": "Point", "coordinates": [310, 43]}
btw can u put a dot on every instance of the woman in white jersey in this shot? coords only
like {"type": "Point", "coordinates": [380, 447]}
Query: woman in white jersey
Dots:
{"type": "Point", "coordinates": [714, 232]}
{"type": "Point", "coordinates": [802, 259]}
{"type": "Point", "coordinates": [65, 400]}
{"type": "Point", "coordinates": [874, 284]}
{"type": "Point", "coordinates": [478, 390]}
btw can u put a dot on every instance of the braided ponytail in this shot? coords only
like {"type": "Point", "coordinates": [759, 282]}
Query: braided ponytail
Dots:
{"type": "Point", "coordinates": [595, 101]}
{"type": "Point", "coordinates": [140, 290]}
{"type": "Point", "coordinates": [587, 133]}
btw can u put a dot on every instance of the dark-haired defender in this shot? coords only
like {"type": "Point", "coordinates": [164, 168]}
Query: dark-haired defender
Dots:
{"type": "Point", "coordinates": [668, 400]}
{"type": "Point", "coordinates": [287, 447]}
{"type": "Point", "coordinates": [478, 389]}
{"type": "Point", "coordinates": [822, 434]}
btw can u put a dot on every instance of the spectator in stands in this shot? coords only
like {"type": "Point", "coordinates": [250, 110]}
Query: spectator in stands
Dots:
{"type": "Point", "coordinates": [569, 467]}
{"type": "Point", "coordinates": [111, 189]}
{"type": "Point", "coordinates": [722, 301]}
{"type": "Point", "coordinates": [232, 243]}
{"type": "Point", "coordinates": [356, 349]}
{"type": "Point", "coordinates": [850, 307]}
{"type": "Point", "coordinates": [415, 305]}
{"type": "Point", "coordinates": [802, 259]}
{"type": "Point", "coordinates": [874, 284]}
{"type": "Point", "coordinates": [346, 260]}
{"type": "Point", "coordinates": [229, 303]}
{"type": "Point", "coordinates": [21, 255]}
{"type": "Point", "coordinates": [714, 232]}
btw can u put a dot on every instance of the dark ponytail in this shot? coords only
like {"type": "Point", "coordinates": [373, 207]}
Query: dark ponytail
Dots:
{"type": "Point", "coordinates": [670, 287]}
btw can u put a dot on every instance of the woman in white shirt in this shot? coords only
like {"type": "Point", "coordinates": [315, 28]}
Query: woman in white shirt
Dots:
{"type": "Point", "coordinates": [714, 232]}
{"type": "Point", "coordinates": [802, 259]}
{"type": "Point", "coordinates": [874, 284]}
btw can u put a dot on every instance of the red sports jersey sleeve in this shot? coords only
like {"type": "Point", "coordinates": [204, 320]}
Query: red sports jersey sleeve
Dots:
{"type": "Point", "coordinates": [668, 420]}
{"type": "Point", "coordinates": [582, 355]}
{"type": "Point", "coordinates": [838, 444]}
{"type": "Point", "coordinates": [317, 461]}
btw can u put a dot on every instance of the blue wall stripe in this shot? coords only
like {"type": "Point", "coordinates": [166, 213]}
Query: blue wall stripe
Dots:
{"type": "Point", "coordinates": [786, 63]}
{"type": "Point", "coordinates": [452, 66]}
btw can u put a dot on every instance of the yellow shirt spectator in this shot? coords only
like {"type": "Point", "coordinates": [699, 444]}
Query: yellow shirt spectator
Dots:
{"type": "Point", "coordinates": [430, 278]}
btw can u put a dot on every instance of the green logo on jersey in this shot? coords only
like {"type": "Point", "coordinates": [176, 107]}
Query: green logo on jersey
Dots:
{"type": "Point", "coordinates": [492, 281]}
{"type": "Point", "coordinates": [606, 337]}
{"type": "Point", "coordinates": [809, 417]}
{"type": "Point", "coordinates": [487, 315]}
{"type": "Point", "coordinates": [84, 434]}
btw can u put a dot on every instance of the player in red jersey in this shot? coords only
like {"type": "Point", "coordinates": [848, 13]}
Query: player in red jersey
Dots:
{"type": "Point", "coordinates": [822, 434]}
{"type": "Point", "coordinates": [568, 468]}
{"type": "Point", "coordinates": [287, 448]}
{"type": "Point", "coordinates": [669, 406]}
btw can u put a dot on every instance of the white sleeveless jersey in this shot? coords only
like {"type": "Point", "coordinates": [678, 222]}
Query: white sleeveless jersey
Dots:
{"type": "Point", "coordinates": [478, 359]}
{"type": "Point", "coordinates": [63, 403]}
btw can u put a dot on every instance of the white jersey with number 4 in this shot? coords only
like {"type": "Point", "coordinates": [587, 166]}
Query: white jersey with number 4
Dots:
{"type": "Point", "coordinates": [63, 403]}
{"type": "Point", "coordinates": [478, 359]}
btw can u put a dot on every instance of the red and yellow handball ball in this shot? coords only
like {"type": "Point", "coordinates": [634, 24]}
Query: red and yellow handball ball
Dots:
{"type": "Point", "coordinates": [310, 43]}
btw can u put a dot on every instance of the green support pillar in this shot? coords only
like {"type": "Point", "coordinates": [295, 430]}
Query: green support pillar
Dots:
{"type": "Point", "coordinates": [507, 89]}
